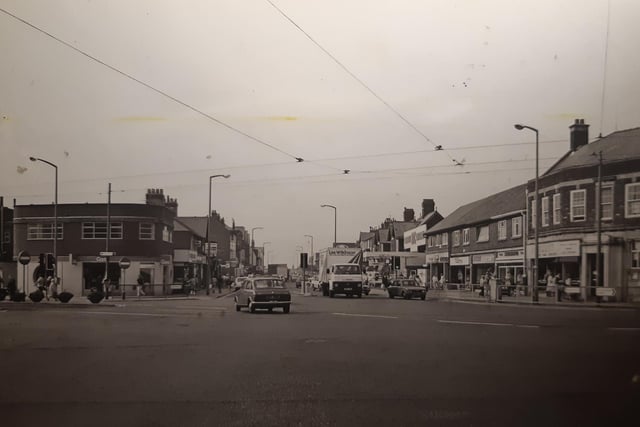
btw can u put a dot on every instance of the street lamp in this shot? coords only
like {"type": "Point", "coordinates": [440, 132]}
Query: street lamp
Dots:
{"type": "Point", "coordinates": [311, 237]}
{"type": "Point", "coordinates": [264, 254]}
{"type": "Point", "coordinates": [536, 225]}
{"type": "Point", "coordinates": [253, 244]}
{"type": "Point", "coordinates": [335, 222]}
{"type": "Point", "coordinates": [55, 217]}
{"type": "Point", "coordinates": [208, 233]}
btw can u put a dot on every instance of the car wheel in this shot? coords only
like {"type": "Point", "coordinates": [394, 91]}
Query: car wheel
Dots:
{"type": "Point", "coordinates": [238, 308]}
{"type": "Point", "coordinates": [359, 294]}
{"type": "Point", "coordinates": [331, 294]}
{"type": "Point", "coordinates": [252, 308]}
{"type": "Point", "coordinates": [423, 297]}
{"type": "Point", "coordinates": [270, 309]}
{"type": "Point", "coordinates": [286, 309]}
{"type": "Point", "coordinates": [390, 295]}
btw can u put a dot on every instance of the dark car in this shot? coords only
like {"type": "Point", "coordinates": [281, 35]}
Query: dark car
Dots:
{"type": "Point", "coordinates": [263, 292]}
{"type": "Point", "coordinates": [407, 289]}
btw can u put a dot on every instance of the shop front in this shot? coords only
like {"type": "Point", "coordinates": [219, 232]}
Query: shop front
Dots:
{"type": "Point", "coordinates": [481, 265]}
{"type": "Point", "coordinates": [510, 267]}
{"type": "Point", "coordinates": [561, 259]}
{"type": "Point", "coordinates": [460, 271]}
{"type": "Point", "coordinates": [438, 265]}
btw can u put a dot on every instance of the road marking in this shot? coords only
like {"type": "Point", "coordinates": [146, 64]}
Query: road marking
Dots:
{"type": "Point", "coordinates": [460, 322]}
{"type": "Point", "coordinates": [122, 314]}
{"type": "Point", "coordinates": [365, 315]}
{"type": "Point", "coordinates": [624, 329]}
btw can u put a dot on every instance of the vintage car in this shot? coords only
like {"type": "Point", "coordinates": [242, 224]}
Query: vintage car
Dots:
{"type": "Point", "coordinates": [407, 289]}
{"type": "Point", "coordinates": [263, 292]}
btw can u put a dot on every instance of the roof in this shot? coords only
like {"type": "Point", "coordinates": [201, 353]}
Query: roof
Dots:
{"type": "Point", "coordinates": [178, 225]}
{"type": "Point", "coordinates": [197, 224]}
{"type": "Point", "coordinates": [510, 200]}
{"type": "Point", "coordinates": [366, 235]}
{"type": "Point", "coordinates": [617, 146]}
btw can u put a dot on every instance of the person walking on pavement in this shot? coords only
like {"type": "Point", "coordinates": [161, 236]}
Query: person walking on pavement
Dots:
{"type": "Point", "coordinates": [219, 284]}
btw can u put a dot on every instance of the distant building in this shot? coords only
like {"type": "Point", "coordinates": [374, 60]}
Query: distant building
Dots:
{"type": "Point", "coordinates": [7, 264]}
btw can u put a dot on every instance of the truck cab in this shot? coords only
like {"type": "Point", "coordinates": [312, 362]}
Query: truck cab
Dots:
{"type": "Point", "coordinates": [343, 279]}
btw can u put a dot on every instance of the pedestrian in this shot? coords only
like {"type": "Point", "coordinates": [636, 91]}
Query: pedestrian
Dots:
{"type": "Point", "coordinates": [47, 286]}
{"type": "Point", "coordinates": [483, 283]}
{"type": "Point", "coordinates": [442, 281]}
{"type": "Point", "coordinates": [139, 287]}
{"type": "Point", "coordinates": [219, 284]}
{"type": "Point", "coordinates": [105, 287]}
{"type": "Point", "coordinates": [53, 288]}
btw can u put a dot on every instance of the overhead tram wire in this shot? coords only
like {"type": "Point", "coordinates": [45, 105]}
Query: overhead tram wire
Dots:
{"type": "Point", "coordinates": [159, 91]}
{"type": "Point", "coordinates": [362, 83]}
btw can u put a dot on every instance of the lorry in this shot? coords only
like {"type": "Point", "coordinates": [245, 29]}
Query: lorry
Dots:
{"type": "Point", "coordinates": [280, 270]}
{"type": "Point", "coordinates": [338, 276]}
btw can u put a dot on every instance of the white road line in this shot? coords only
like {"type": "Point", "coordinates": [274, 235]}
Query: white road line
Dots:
{"type": "Point", "coordinates": [460, 322]}
{"type": "Point", "coordinates": [624, 329]}
{"type": "Point", "coordinates": [365, 315]}
{"type": "Point", "coordinates": [123, 314]}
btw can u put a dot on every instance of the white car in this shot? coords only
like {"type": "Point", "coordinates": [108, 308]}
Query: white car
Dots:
{"type": "Point", "coordinates": [237, 284]}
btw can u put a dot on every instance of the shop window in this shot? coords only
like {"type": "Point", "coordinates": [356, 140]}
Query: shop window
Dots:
{"type": "Point", "coordinates": [606, 202]}
{"type": "Point", "coordinates": [578, 203]}
{"type": "Point", "coordinates": [483, 234]}
{"type": "Point", "coordinates": [516, 227]}
{"type": "Point", "coordinates": [98, 230]}
{"type": "Point", "coordinates": [545, 211]}
{"type": "Point", "coordinates": [632, 200]}
{"type": "Point", "coordinates": [43, 232]}
{"type": "Point", "coordinates": [557, 209]}
{"type": "Point", "coordinates": [146, 231]}
{"type": "Point", "coordinates": [465, 237]}
{"type": "Point", "coordinates": [456, 238]}
{"type": "Point", "coordinates": [502, 230]}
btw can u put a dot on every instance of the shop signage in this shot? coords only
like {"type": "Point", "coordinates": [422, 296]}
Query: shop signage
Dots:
{"type": "Point", "coordinates": [437, 258]}
{"type": "Point", "coordinates": [555, 249]}
{"type": "Point", "coordinates": [342, 251]}
{"type": "Point", "coordinates": [515, 255]}
{"type": "Point", "coordinates": [460, 260]}
{"type": "Point", "coordinates": [484, 258]}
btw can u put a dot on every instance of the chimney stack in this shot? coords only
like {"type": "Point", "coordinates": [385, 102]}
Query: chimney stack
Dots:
{"type": "Point", "coordinates": [155, 197]}
{"type": "Point", "coordinates": [428, 206]}
{"type": "Point", "coordinates": [172, 205]}
{"type": "Point", "coordinates": [409, 215]}
{"type": "Point", "coordinates": [579, 134]}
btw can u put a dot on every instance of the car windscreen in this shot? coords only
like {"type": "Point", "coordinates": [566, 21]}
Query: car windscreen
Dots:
{"type": "Point", "coordinates": [407, 283]}
{"type": "Point", "coordinates": [267, 283]}
{"type": "Point", "coordinates": [347, 269]}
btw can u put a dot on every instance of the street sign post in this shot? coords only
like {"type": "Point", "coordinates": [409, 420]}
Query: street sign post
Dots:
{"type": "Point", "coordinates": [124, 263]}
{"type": "Point", "coordinates": [107, 254]}
{"type": "Point", "coordinates": [24, 258]}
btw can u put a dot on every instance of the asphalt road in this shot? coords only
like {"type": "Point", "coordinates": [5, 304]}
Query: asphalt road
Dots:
{"type": "Point", "coordinates": [371, 361]}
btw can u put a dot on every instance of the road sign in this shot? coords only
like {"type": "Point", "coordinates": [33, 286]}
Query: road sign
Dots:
{"type": "Point", "coordinates": [107, 254]}
{"type": "Point", "coordinates": [24, 258]}
{"type": "Point", "coordinates": [124, 263]}
{"type": "Point", "coordinates": [100, 259]}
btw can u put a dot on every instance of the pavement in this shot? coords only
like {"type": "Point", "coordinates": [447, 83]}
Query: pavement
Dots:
{"type": "Point", "coordinates": [330, 362]}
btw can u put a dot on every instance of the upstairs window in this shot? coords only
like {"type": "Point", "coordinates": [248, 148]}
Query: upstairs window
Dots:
{"type": "Point", "coordinates": [439, 240]}
{"type": "Point", "coordinates": [533, 213]}
{"type": "Point", "coordinates": [578, 205]}
{"type": "Point", "coordinates": [43, 232]}
{"type": "Point", "coordinates": [466, 239]}
{"type": "Point", "coordinates": [147, 231]}
{"type": "Point", "coordinates": [167, 234]}
{"type": "Point", "coordinates": [98, 230]}
{"type": "Point", "coordinates": [456, 238]}
{"type": "Point", "coordinates": [445, 239]}
{"type": "Point", "coordinates": [632, 200]}
{"type": "Point", "coordinates": [557, 209]}
{"type": "Point", "coordinates": [545, 212]}
{"type": "Point", "coordinates": [502, 229]}
{"type": "Point", "coordinates": [516, 227]}
{"type": "Point", "coordinates": [483, 234]}
{"type": "Point", "coordinates": [606, 202]}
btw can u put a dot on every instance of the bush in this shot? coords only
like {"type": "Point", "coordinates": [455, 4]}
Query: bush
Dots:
{"type": "Point", "coordinates": [65, 297]}
{"type": "Point", "coordinates": [36, 296]}
{"type": "Point", "coordinates": [3, 294]}
{"type": "Point", "coordinates": [18, 297]}
{"type": "Point", "coordinates": [95, 297]}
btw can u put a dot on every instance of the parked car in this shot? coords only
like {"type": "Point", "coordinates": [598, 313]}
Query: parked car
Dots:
{"type": "Point", "coordinates": [407, 289]}
{"type": "Point", "coordinates": [237, 283]}
{"type": "Point", "coordinates": [264, 293]}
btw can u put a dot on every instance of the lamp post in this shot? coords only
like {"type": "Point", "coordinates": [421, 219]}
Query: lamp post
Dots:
{"type": "Point", "coordinates": [312, 253]}
{"type": "Point", "coordinates": [335, 222]}
{"type": "Point", "coordinates": [208, 233]}
{"type": "Point", "coordinates": [536, 214]}
{"type": "Point", "coordinates": [253, 245]}
{"type": "Point", "coordinates": [599, 220]}
{"type": "Point", "coordinates": [55, 217]}
{"type": "Point", "coordinates": [264, 255]}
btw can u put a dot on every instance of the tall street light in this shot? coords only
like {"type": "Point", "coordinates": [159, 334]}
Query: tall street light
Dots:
{"type": "Point", "coordinates": [264, 254]}
{"type": "Point", "coordinates": [536, 214]}
{"type": "Point", "coordinates": [55, 217]}
{"type": "Point", "coordinates": [253, 245]}
{"type": "Point", "coordinates": [312, 253]}
{"type": "Point", "coordinates": [208, 233]}
{"type": "Point", "coordinates": [335, 222]}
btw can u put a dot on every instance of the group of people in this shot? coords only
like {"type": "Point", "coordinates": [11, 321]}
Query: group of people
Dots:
{"type": "Point", "coordinates": [438, 283]}
{"type": "Point", "coordinates": [48, 286]}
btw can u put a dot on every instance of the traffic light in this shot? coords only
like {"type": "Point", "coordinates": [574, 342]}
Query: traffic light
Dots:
{"type": "Point", "coordinates": [304, 260]}
{"type": "Point", "coordinates": [41, 261]}
{"type": "Point", "coordinates": [396, 262]}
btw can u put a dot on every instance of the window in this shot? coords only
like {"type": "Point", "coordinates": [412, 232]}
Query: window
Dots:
{"type": "Point", "coordinates": [545, 211]}
{"type": "Point", "coordinates": [632, 200]}
{"type": "Point", "coordinates": [465, 236]}
{"type": "Point", "coordinates": [439, 240]}
{"type": "Point", "coordinates": [606, 202]}
{"type": "Point", "coordinates": [43, 232]}
{"type": "Point", "coordinates": [456, 238]}
{"type": "Point", "coordinates": [430, 241]}
{"type": "Point", "coordinates": [533, 213]}
{"type": "Point", "coordinates": [147, 231]}
{"type": "Point", "coordinates": [7, 237]}
{"type": "Point", "coordinates": [557, 209]}
{"type": "Point", "coordinates": [167, 234]}
{"type": "Point", "coordinates": [445, 239]}
{"type": "Point", "coordinates": [578, 205]}
{"type": "Point", "coordinates": [516, 227]}
{"type": "Point", "coordinates": [502, 229]}
{"type": "Point", "coordinates": [635, 254]}
{"type": "Point", "coordinates": [98, 230]}
{"type": "Point", "coordinates": [483, 234]}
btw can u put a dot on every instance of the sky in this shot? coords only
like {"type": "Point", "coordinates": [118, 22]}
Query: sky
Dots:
{"type": "Point", "coordinates": [163, 94]}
